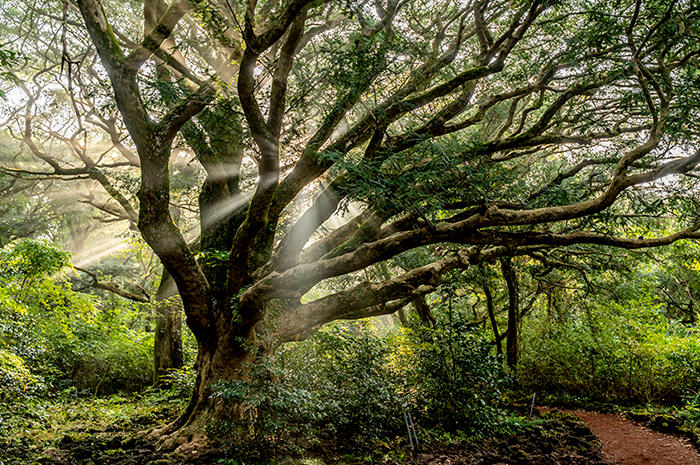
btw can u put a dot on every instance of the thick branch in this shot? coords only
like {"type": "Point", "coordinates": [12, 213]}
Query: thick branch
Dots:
{"type": "Point", "coordinates": [152, 42]}
{"type": "Point", "coordinates": [416, 282]}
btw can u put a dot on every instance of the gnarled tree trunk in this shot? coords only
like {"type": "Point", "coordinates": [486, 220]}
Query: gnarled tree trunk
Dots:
{"type": "Point", "coordinates": [232, 357]}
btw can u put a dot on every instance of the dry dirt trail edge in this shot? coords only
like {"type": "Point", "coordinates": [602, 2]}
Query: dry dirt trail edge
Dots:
{"type": "Point", "coordinates": [627, 443]}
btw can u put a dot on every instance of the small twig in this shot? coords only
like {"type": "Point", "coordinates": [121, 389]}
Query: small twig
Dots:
{"type": "Point", "coordinates": [114, 288]}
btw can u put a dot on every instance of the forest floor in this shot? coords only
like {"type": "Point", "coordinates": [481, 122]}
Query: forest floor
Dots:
{"type": "Point", "coordinates": [555, 438]}
{"type": "Point", "coordinates": [551, 438]}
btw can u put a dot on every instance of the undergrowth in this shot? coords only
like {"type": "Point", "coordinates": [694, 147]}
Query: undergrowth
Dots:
{"type": "Point", "coordinates": [43, 420]}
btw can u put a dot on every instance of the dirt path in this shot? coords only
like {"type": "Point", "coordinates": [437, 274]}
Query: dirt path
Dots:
{"type": "Point", "coordinates": [626, 443]}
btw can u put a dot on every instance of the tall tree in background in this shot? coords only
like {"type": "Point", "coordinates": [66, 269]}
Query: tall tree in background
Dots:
{"type": "Point", "coordinates": [495, 129]}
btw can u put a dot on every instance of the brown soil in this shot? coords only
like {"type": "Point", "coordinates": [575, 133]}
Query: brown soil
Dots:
{"type": "Point", "coordinates": [627, 443]}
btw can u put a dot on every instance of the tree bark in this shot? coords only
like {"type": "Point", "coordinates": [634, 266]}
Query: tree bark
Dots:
{"type": "Point", "coordinates": [492, 314]}
{"type": "Point", "coordinates": [239, 350]}
{"type": "Point", "coordinates": [512, 340]}
{"type": "Point", "coordinates": [423, 310]}
{"type": "Point", "coordinates": [167, 347]}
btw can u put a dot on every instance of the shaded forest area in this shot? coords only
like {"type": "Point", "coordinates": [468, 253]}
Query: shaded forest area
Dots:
{"type": "Point", "coordinates": [322, 232]}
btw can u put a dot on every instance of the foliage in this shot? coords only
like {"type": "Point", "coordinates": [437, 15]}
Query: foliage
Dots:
{"type": "Point", "coordinates": [16, 379]}
{"type": "Point", "coordinates": [8, 58]}
{"type": "Point", "coordinates": [625, 353]}
{"type": "Point", "coordinates": [453, 378]}
{"type": "Point", "coordinates": [179, 383]}
{"type": "Point", "coordinates": [337, 383]}
{"type": "Point", "coordinates": [65, 338]}
{"type": "Point", "coordinates": [28, 260]}
{"type": "Point", "coordinates": [363, 393]}
{"type": "Point", "coordinates": [270, 412]}
{"type": "Point", "coordinates": [353, 382]}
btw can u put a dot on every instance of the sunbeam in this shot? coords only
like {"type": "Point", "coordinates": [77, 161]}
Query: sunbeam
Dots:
{"type": "Point", "coordinates": [99, 251]}
{"type": "Point", "coordinates": [225, 209]}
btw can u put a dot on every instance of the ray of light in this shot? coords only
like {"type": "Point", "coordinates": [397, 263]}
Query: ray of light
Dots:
{"type": "Point", "coordinates": [225, 209]}
{"type": "Point", "coordinates": [99, 251]}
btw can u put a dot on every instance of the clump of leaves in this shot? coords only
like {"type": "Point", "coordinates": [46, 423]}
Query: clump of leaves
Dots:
{"type": "Point", "coordinates": [452, 379]}
{"type": "Point", "coordinates": [16, 379]}
{"type": "Point", "coordinates": [8, 59]}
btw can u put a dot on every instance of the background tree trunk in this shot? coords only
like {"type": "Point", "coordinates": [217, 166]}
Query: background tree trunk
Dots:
{"type": "Point", "coordinates": [492, 314]}
{"type": "Point", "coordinates": [512, 345]}
{"type": "Point", "coordinates": [423, 310]}
{"type": "Point", "coordinates": [167, 351]}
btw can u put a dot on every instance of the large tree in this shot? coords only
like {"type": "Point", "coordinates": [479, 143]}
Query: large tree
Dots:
{"type": "Point", "coordinates": [467, 131]}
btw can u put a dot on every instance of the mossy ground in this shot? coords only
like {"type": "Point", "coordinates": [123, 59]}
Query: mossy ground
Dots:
{"type": "Point", "coordinates": [105, 432]}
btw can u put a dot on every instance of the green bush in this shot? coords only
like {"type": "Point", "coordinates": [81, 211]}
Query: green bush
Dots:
{"type": "Point", "coordinates": [451, 378]}
{"type": "Point", "coordinates": [178, 383]}
{"type": "Point", "coordinates": [336, 384]}
{"type": "Point", "coordinates": [612, 353]}
{"type": "Point", "coordinates": [352, 382]}
{"type": "Point", "coordinates": [63, 337]}
{"type": "Point", "coordinates": [265, 412]}
{"type": "Point", "coordinates": [16, 380]}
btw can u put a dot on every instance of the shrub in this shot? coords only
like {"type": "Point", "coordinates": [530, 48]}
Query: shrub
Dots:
{"type": "Point", "coordinates": [16, 380]}
{"type": "Point", "coordinates": [352, 382]}
{"type": "Point", "coordinates": [362, 394]}
{"type": "Point", "coordinates": [66, 338]}
{"type": "Point", "coordinates": [337, 384]}
{"type": "Point", "coordinates": [451, 377]}
{"type": "Point", "coordinates": [265, 413]}
{"type": "Point", "coordinates": [612, 353]}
